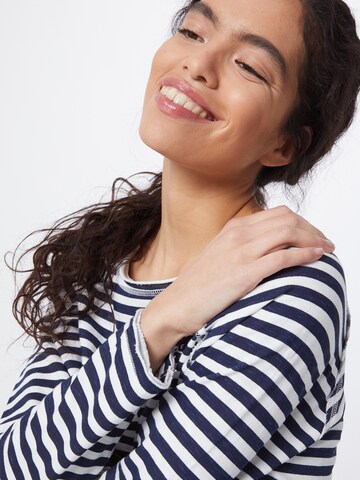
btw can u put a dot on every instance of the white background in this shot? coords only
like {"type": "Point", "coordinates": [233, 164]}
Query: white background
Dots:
{"type": "Point", "coordinates": [72, 79]}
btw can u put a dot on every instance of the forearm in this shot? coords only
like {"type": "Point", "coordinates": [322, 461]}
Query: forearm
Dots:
{"type": "Point", "coordinates": [159, 333]}
{"type": "Point", "coordinates": [247, 385]}
{"type": "Point", "coordinates": [245, 252]}
{"type": "Point", "coordinates": [96, 401]}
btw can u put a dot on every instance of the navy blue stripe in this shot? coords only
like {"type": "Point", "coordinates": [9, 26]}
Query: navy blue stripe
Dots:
{"type": "Point", "coordinates": [333, 261]}
{"type": "Point", "coordinates": [187, 441]}
{"type": "Point", "coordinates": [99, 329]}
{"type": "Point", "coordinates": [275, 359]}
{"type": "Point", "coordinates": [14, 463]}
{"type": "Point", "coordinates": [266, 296]}
{"type": "Point", "coordinates": [311, 324]}
{"type": "Point", "coordinates": [286, 447]}
{"type": "Point", "coordinates": [152, 468]}
{"type": "Point", "coordinates": [146, 383]}
{"type": "Point", "coordinates": [333, 434]}
{"type": "Point", "coordinates": [124, 436]}
{"type": "Point", "coordinates": [253, 471]}
{"type": "Point", "coordinates": [71, 425]}
{"type": "Point", "coordinates": [253, 373]}
{"type": "Point", "coordinates": [311, 419]}
{"type": "Point", "coordinates": [245, 398]}
{"type": "Point", "coordinates": [298, 432]}
{"type": "Point", "coordinates": [319, 453]}
{"type": "Point", "coordinates": [268, 458]}
{"type": "Point", "coordinates": [146, 291]}
{"type": "Point", "coordinates": [307, 470]}
{"type": "Point", "coordinates": [124, 309]}
{"type": "Point", "coordinates": [319, 396]}
{"type": "Point", "coordinates": [228, 415]}
{"type": "Point", "coordinates": [40, 447]}
{"type": "Point", "coordinates": [168, 453]}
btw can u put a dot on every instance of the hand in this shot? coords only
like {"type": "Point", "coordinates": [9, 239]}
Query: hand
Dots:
{"type": "Point", "coordinates": [247, 250]}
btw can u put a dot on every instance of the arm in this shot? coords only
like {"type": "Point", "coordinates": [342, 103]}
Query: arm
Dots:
{"type": "Point", "coordinates": [245, 252]}
{"type": "Point", "coordinates": [117, 380]}
{"type": "Point", "coordinates": [64, 418]}
{"type": "Point", "coordinates": [265, 364]}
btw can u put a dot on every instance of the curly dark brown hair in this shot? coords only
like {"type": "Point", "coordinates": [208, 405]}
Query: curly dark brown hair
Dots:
{"type": "Point", "coordinates": [82, 251]}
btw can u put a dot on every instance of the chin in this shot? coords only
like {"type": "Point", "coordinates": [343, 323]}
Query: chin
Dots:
{"type": "Point", "coordinates": [157, 135]}
{"type": "Point", "coordinates": [153, 136]}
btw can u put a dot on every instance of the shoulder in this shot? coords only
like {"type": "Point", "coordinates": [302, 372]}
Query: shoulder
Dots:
{"type": "Point", "coordinates": [305, 300]}
{"type": "Point", "coordinates": [327, 270]}
{"type": "Point", "coordinates": [316, 282]}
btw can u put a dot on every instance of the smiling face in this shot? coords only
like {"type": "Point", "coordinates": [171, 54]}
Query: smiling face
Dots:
{"type": "Point", "coordinates": [222, 87]}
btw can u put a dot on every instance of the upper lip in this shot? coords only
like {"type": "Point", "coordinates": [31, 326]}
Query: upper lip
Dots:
{"type": "Point", "coordinates": [184, 87]}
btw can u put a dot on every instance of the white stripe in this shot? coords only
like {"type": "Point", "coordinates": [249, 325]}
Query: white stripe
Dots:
{"type": "Point", "coordinates": [47, 440]}
{"type": "Point", "coordinates": [262, 364]}
{"type": "Point", "coordinates": [225, 430]}
{"type": "Point", "coordinates": [160, 461]}
{"type": "Point", "coordinates": [11, 475]}
{"type": "Point", "coordinates": [257, 392]}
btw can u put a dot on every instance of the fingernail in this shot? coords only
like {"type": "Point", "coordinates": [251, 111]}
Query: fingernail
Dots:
{"type": "Point", "coordinates": [330, 243]}
{"type": "Point", "coordinates": [319, 252]}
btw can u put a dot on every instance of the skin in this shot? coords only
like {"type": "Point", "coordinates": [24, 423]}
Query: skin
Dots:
{"type": "Point", "coordinates": [250, 112]}
{"type": "Point", "coordinates": [210, 220]}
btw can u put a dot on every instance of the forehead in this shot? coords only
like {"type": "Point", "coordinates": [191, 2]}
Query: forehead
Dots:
{"type": "Point", "coordinates": [277, 21]}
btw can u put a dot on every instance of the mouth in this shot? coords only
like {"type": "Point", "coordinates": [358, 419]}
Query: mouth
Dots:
{"type": "Point", "coordinates": [179, 97]}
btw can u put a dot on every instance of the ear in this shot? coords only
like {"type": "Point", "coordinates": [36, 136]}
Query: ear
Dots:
{"type": "Point", "coordinates": [283, 153]}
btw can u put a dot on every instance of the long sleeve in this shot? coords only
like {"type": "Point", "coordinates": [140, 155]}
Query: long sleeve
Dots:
{"type": "Point", "coordinates": [262, 396]}
{"type": "Point", "coordinates": [257, 393]}
{"type": "Point", "coordinates": [63, 425]}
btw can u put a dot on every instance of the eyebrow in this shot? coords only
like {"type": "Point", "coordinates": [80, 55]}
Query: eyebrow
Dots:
{"type": "Point", "coordinates": [246, 37]}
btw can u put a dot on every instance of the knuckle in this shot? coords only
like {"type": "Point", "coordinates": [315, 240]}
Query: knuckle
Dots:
{"type": "Point", "coordinates": [235, 232]}
{"type": "Point", "coordinates": [285, 210]}
{"type": "Point", "coordinates": [248, 278]}
{"type": "Point", "coordinates": [232, 223]}
{"type": "Point", "coordinates": [246, 234]}
{"type": "Point", "coordinates": [293, 219]}
{"type": "Point", "coordinates": [232, 235]}
{"type": "Point", "coordinates": [281, 259]}
{"type": "Point", "coordinates": [286, 232]}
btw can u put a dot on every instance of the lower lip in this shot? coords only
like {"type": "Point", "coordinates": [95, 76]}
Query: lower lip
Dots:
{"type": "Point", "coordinates": [177, 111]}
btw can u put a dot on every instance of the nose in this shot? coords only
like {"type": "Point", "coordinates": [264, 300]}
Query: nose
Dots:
{"type": "Point", "coordinates": [201, 67]}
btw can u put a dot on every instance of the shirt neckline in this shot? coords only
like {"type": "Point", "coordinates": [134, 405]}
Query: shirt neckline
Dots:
{"type": "Point", "coordinates": [139, 287]}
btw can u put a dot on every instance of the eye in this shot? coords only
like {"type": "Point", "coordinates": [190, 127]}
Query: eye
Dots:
{"type": "Point", "coordinates": [251, 70]}
{"type": "Point", "coordinates": [189, 34]}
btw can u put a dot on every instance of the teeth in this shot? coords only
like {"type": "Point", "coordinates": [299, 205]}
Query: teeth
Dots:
{"type": "Point", "coordinates": [189, 106]}
{"type": "Point", "coordinates": [179, 98]}
{"type": "Point", "coordinates": [197, 110]}
{"type": "Point", "coordinates": [170, 93]}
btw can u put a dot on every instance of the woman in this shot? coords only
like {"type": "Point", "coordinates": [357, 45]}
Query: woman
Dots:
{"type": "Point", "coordinates": [185, 331]}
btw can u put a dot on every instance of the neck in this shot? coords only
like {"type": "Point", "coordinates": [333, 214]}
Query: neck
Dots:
{"type": "Point", "coordinates": [194, 210]}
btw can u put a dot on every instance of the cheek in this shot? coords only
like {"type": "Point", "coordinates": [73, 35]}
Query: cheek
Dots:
{"type": "Point", "coordinates": [160, 66]}
{"type": "Point", "coordinates": [251, 113]}
{"type": "Point", "coordinates": [250, 101]}
{"type": "Point", "coordinates": [162, 59]}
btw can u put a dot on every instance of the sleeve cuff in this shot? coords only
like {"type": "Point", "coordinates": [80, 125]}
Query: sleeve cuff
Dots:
{"type": "Point", "coordinates": [143, 354]}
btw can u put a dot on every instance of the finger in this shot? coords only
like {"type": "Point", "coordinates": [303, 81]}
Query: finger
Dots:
{"type": "Point", "coordinates": [265, 213]}
{"type": "Point", "coordinates": [268, 241]}
{"type": "Point", "coordinates": [276, 261]}
{"type": "Point", "coordinates": [276, 217]}
{"type": "Point", "coordinates": [274, 234]}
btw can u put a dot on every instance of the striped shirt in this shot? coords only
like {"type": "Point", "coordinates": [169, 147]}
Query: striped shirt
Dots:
{"type": "Point", "coordinates": [256, 393]}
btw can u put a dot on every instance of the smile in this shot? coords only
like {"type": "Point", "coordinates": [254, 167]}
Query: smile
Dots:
{"type": "Point", "coordinates": [181, 99]}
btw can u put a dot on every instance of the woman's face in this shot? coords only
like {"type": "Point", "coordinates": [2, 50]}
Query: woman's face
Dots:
{"type": "Point", "coordinates": [221, 88]}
